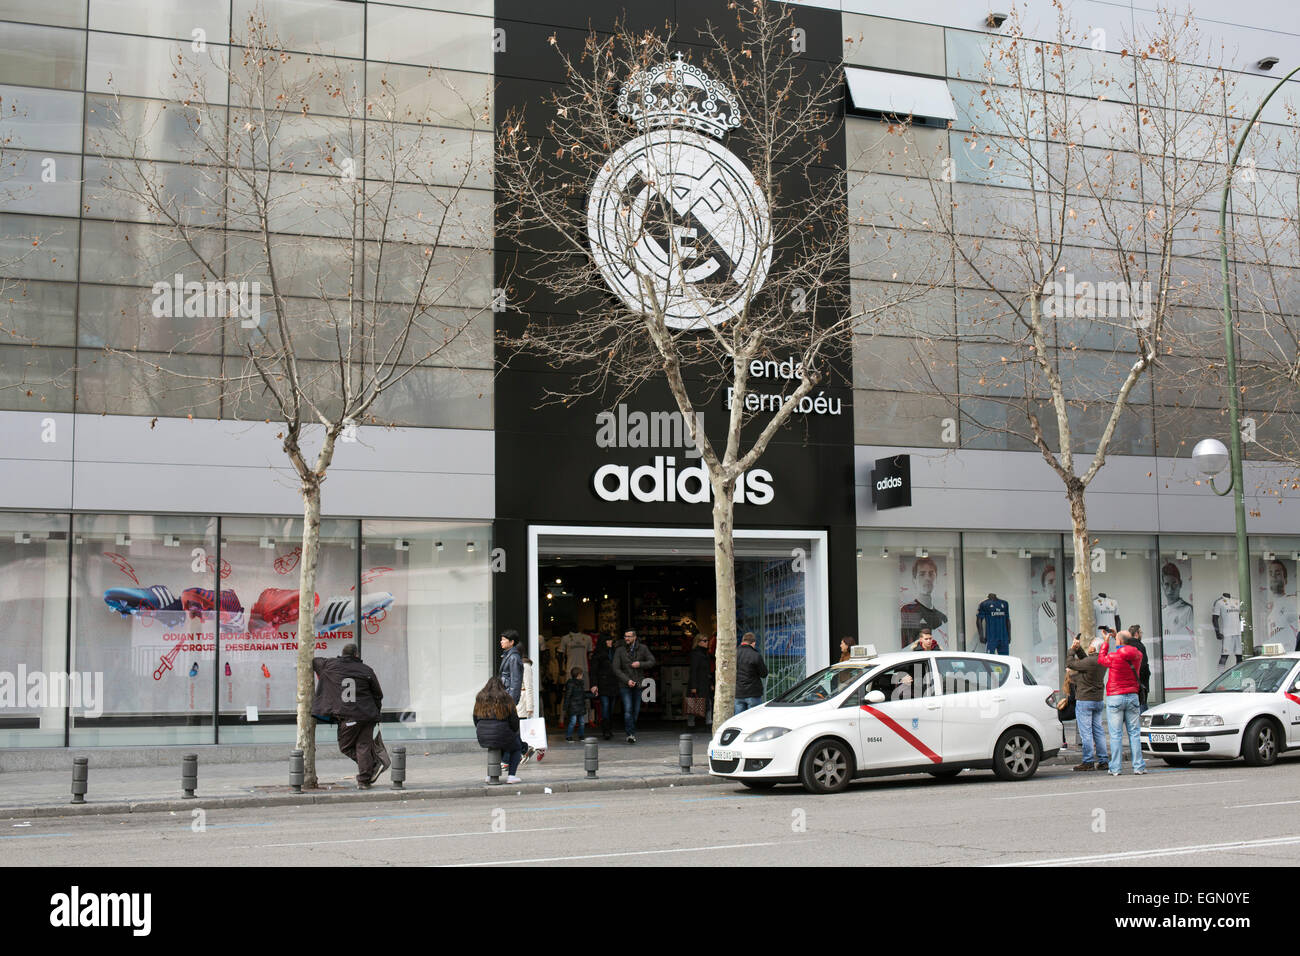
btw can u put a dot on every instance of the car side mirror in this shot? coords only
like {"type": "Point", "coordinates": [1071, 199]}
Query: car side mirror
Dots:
{"type": "Point", "coordinates": [875, 697]}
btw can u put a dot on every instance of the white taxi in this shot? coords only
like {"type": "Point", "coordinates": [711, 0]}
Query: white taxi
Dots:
{"type": "Point", "coordinates": [937, 712]}
{"type": "Point", "coordinates": [1251, 710]}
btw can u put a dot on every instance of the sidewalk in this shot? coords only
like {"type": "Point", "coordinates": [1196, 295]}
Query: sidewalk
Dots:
{"type": "Point", "coordinates": [652, 762]}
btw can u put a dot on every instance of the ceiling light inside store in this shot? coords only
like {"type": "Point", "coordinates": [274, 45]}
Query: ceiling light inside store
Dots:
{"type": "Point", "coordinates": [992, 552]}
{"type": "Point", "coordinates": [859, 552]}
{"type": "Point", "coordinates": [1270, 556]}
{"type": "Point", "coordinates": [1026, 553]}
{"type": "Point", "coordinates": [22, 537]}
{"type": "Point", "coordinates": [1121, 554]}
{"type": "Point", "coordinates": [266, 542]}
{"type": "Point", "coordinates": [922, 553]}
{"type": "Point", "coordinates": [1180, 555]}
{"type": "Point", "coordinates": [437, 546]}
{"type": "Point", "coordinates": [171, 541]}
{"type": "Point", "coordinates": [1211, 556]}
{"type": "Point", "coordinates": [884, 552]}
{"type": "Point", "coordinates": [549, 596]}
{"type": "Point", "coordinates": [469, 546]}
{"type": "Point", "coordinates": [124, 541]}
{"type": "Point", "coordinates": [401, 544]}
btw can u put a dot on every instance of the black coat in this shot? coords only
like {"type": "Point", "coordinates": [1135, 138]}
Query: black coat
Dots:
{"type": "Point", "coordinates": [361, 700]}
{"type": "Point", "coordinates": [512, 672]}
{"type": "Point", "coordinates": [495, 734]}
{"type": "Point", "coordinates": [701, 676]}
{"type": "Point", "coordinates": [750, 671]}
{"type": "Point", "coordinates": [602, 671]}
{"type": "Point", "coordinates": [575, 698]}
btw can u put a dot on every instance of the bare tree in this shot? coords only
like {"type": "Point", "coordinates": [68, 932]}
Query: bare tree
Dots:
{"type": "Point", "coordinates": [1077, 211]}
{"type": "Point", "coordinates": [336, 235]}
{"type": "Point", "coordinates": [611, 198]}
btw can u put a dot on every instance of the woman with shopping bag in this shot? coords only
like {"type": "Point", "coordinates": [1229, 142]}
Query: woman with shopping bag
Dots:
{"type": "Point", "coordinates": [700, 690]}
{"type": "Point", "coordinates": [532, 730]}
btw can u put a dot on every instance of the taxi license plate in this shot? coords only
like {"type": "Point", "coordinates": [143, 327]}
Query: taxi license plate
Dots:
{"type": "Point", "coordinates": [1164, 738]}
{"type": "Point", "coordinates": [725, 755]}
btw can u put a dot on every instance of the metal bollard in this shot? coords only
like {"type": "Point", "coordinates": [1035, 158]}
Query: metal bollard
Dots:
{"type": "Point", "coordinates": [685, 750]}
{"type": "Point", "coordinates": [399, 767]}
{"type": "Point", "coordinates": [494, 767]}
{"type": "Point", "coordinates": [296, 770]}
{"type": "Point", "coordinates": [189, 775]}
{"type": "Point", "coordinates": [591, 756]}
{"type": "Point", "coordinates": [80, 778]}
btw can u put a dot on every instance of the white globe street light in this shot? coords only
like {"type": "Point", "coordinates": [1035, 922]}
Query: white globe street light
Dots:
{"type": "Point", "coordinates": [1211, 456]}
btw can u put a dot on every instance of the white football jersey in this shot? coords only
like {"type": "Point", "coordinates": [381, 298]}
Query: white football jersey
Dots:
{"type": "Point", "coordinates": [1282, 622]}
{"type": "Point", "coordinates": [1106, 610]}
{"type": "Point", "coordinates": [1228, 611]}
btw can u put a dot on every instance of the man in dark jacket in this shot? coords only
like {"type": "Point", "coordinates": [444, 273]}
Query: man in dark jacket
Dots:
{"type": "Point", "coordinates": [1144, 672]}
{"type": "Point", "coordinates": [348, 693]}
{"type": "Point", "coordinates": [1089, 690]}
{"type": "Point", "coordinates": [631, 661]}
{"type": "Point", "coordinates": [512, 665]}
{"type": "Point", "coordinates": [750, 671]}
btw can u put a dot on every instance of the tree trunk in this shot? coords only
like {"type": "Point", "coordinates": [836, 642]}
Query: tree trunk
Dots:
{"type": "Point", "coordinates": [1082, 565]}
{"type": "Point", "coordinates": [306, 741]}
{"type": "Point", "coordinates": [724, 576]}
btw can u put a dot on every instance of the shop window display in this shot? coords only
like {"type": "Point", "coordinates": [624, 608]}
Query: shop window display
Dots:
{"type": "Point", "coordinates": [260, 563]}
{"type": "Point", "coordinates": [144, 617]}
{"type": "Point", "coordinates": [34, 684]}
{"type": "Point", "coordinates": [1124, 594]}
{"type": "Point", "coordinates": [1274, 566]}
{"type": "Point", "coordinates": [906, 581]}
{"type": "Point", "coordinates": [1012, 584]}
{"type": "Point", "coordinates": [429, 647]}
{"type": "Point", "coordinates": [1194, 575]}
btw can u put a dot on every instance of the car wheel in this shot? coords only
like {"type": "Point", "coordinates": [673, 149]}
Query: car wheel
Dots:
{"type": "Point", "coordinates": [1259, 744]}
{"type": "Point", "coordinates": [1016, 755]}
{"type": "Point", "coordinates": [827, 767]}
{"type": "Point", "coordinates": [759, 784]}
{"type": "Point", "coordinates": [1177, 761]}
{"type": "Point", "coordinates": [945, 773]}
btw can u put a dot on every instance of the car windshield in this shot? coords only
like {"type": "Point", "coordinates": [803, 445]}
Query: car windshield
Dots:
{"type": "Point", "coordinates": [823, 685]}
{"type": "Point", "coordinates": [1255, 676]}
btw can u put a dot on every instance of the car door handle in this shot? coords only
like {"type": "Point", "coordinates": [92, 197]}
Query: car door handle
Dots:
{"type": "Point", "coordinates": [932, 706]}
{"type": "Point", "coordinates": [1000, 699]}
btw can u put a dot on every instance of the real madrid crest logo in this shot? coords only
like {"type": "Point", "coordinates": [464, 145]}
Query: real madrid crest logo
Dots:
{"type": "Point", "coordinates": [676, 220]}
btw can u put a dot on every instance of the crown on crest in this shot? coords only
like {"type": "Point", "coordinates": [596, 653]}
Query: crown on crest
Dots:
{"type": "Point", "coordinates": [677, 94]}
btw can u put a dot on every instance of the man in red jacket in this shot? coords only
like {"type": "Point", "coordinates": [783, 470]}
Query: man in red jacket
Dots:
{"type": "Point", "coordinates": [1122, 705]}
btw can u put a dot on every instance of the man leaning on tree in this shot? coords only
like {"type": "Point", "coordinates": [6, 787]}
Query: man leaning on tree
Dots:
{"type": "Point", "coordinates": [348, 693]}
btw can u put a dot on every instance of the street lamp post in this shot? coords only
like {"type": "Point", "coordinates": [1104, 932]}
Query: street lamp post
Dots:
{"type": "Point", "coordinates": [1234, 410]}
{"type": "Point", "coordinates": [1211, 458]}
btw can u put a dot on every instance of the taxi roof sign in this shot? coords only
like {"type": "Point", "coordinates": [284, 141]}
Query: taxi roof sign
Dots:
{"type": "Point", "coordinates": [1272, 650]}
{"type": "Point", "coordinates": [863, 651]}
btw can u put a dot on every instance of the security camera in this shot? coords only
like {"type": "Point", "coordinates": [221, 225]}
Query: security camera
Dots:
{"type": "Point", "coordinates": [1210, 455]}
{"type": "Point", "coordinates": [1211, 556]}
{"type": "Point", "coordinates": [1267, 63]}
{"type": "Point", "coordinates": [994, 21]}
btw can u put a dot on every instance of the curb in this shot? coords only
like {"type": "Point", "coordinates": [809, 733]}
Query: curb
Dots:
{"type": "Point", "coordinates": [355, 796]}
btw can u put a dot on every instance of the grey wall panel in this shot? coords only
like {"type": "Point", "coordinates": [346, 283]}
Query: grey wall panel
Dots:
{"type": "Point", "coordinates": [122, 463]}
{"type": "Point", "coordinates": [971, 489]}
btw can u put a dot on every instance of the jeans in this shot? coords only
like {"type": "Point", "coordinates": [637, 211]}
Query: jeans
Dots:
{"type": "Point", "coordinates": [1122, 712]}
{"type": "Point", "coordinates": [580, 722]}
{"type": "Point", "coordinates": [1092, 732]}
{"type": "Point", "coordinates": [631, 708]}
{"type": "Point", "coordinates": [745, 703]}
{"type": "Point", "coordinates": [607, 709]}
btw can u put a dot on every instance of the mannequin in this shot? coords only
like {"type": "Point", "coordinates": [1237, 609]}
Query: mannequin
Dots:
{"type": "Point", "coordinates": [994, 624]}
{"type": "Point", "coordinates": [1226, 615]}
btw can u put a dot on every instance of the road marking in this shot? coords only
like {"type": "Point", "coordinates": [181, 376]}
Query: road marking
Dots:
{"type": "Point", "coordinates": [575, 806]}
{"type": "Point", "coordinates": [1147, 854]}
{"type": "Point", "coordinates": [606, 856]}
{"type": "Point", "coordinates": [418, 836]}
{"type": "Point", "coordinates": [401, 816]}
{"type": "Point", "coordinates": [34, 836]}
{"type": "Point", "coordinates": [1158, 786]}
{"type": "Point", "coordinates": [738, 796]}
{"type": "Point", "coordinates": [1243, 806]}
{"type": "Point", "coordinates": [225, 826]}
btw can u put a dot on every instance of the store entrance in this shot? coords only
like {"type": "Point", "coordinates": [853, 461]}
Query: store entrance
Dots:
{"type": "Point", "coordinates": [590, 581]}
{"type": "Point", "coordinates": [668, 605]}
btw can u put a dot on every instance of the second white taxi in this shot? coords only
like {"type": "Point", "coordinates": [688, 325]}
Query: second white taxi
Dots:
{"type": "Point", "coordinates": [1251, 710]}
{"type": "Point", "coordinates": [937, 712]}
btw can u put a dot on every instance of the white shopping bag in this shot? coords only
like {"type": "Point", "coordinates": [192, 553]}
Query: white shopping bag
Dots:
{"type": "Point", "coordinates": [533, 730]}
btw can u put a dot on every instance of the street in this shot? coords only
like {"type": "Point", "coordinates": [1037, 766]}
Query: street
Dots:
{"type": "Point", "coordinates": [1216, 815]}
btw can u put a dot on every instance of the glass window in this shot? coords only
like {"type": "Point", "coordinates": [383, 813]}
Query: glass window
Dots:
{"type": "Point", "coordinates": [123, 317]}
{"type": "Point", "coordinates": [59, 13]}
{"type": "Point", "coordinates": [1261, 676]}
{"type": "Point", "coordinates": [175, 18]}
{"type": "Point", "coordinates": [313, 26]}
{"type": "Point", "coordinates": [440, 97]}
{"type": "Point", "coordinates": [42, 56]}
{"type": "Point", "coordinates": [147, 383]}
{"type": "Point", "coordinates": [1274, 569]}
{"type": "Point", "coordinates": [901, 418]}
{"type": "Point", "coordinates": [903, 681]}
{"type": "Point", "coordinates": [40, 119]}
{"type": "Point", "coordinates": [41, 313]}
{"type": "Point", "coordinates": [36, 379]}
{"type": "Point", "coordinates": [425, 38]}
{"type": "Point", "coordinates": [965, 675]}
{"type": "Point", "coordinates": [45, 183]}
{"type": "Point", "coordinates": [38, 247]}
{"type": "Point", "coordinates": [1022, 570]}
{"type": "Point", "coordinates": [113, 191]}
{"type": "Point", "coordinates": [1198, 582]}
{"type": "Point", "coordinates": [821, 686]}
{"type": "Point", "coordinates": [143, 620]}
{"type": "Point", "coordinates": [908, 580]}
{"type": "Point", "coordinates": [148, 129]}
{"type": "Point", "coordinates": [33, 622]}
{"type": "Point", "coordinates": [142, 66]}
{"type": "Point", "coordinates": [129, 254]}
{"type": "Point", "coordinates": [430, 646]}
{"type": "Point", "coordinates": [260, 559]}
{"type": "Point", "coordinates": [1123, 592]}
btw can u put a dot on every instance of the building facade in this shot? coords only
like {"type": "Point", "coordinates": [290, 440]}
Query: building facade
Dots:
{"type": "Point", "coordinates": [150, 523]}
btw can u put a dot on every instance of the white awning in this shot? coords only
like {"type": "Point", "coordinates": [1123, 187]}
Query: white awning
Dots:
{"type": "Point", "coordinates": [897, 94]}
